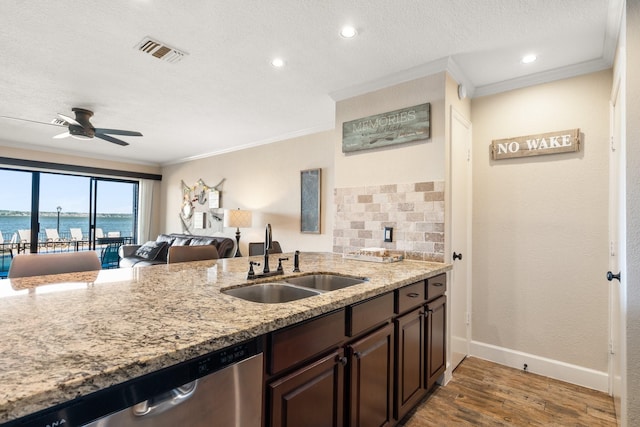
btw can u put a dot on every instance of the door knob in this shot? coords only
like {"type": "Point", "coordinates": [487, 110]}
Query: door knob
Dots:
{"type": "Point", "coordinates": [611, 276]}
{"type": "Point", "coordinates": [457, 256]}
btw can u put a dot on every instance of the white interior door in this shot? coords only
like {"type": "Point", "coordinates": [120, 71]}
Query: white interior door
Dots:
{"type": "Point", "coordinates": [616, 287]}
{"type": "Point", "coordinates": [460, 288]}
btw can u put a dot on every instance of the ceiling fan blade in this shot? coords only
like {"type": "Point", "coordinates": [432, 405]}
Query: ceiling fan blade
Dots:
{"type": "Point", "coordinates": [117, 132]}
{"type": "Point", "coordinates": [62, 135]}
{"type": "Point", "coordinates": [111, 139]}
{"type": "Point", "coordinates": [69, 120]}
{"type": "Point", "coordinates": [31, 121]}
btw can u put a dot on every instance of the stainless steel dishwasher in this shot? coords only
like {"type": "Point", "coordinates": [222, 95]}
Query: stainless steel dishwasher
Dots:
{"type": "Point", "coordinates": [223, 388]}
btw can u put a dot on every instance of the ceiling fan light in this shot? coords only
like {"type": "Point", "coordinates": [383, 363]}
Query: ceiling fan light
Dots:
{"type": "Point", "coordinates": [81, 137]}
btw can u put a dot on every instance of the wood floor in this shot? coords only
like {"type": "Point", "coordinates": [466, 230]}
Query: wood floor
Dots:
{"type": "Point", "coordinates": [483, 393]}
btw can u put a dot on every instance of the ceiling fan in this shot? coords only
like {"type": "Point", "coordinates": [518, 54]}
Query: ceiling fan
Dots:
{"type": "Point", "coordinates": [81, 127]}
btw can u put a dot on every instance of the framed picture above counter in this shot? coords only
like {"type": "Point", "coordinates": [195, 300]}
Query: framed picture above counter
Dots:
{"type": "Point", "coordinates": [394, 127]}
{"type": "Point", "coordinates": [310, 184]}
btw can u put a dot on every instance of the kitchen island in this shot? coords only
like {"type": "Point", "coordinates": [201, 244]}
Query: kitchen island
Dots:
{"type": "Point", "coordinates": [69, 335]}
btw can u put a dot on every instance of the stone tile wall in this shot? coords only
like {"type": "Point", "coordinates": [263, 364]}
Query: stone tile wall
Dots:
{"type": "Point", "coordinates": [415, 211]}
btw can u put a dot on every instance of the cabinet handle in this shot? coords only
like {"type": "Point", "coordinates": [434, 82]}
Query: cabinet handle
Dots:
{"type": "Point", "coordinates": [342, 360]}
{"type": "Point", "coordinates": [437, 284]}
{"type": "Point", "coordinates": [357, 355]}
{"type": "Point", "coordinates": [457, 256]}
{"type": "Point", "coordinates": [413, 295]}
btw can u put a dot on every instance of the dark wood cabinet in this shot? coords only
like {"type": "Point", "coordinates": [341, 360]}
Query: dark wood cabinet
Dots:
{"type": "Point", "coordinates": [371, 379]}
{"type": "Point", "coordinates": [435, 339]}
{"type": "Point", "coordinates": [366, 365]}
{"type": "Point", "coordinates": [410, 355]}
{"type": "Point", "coordinates": [312, 396]}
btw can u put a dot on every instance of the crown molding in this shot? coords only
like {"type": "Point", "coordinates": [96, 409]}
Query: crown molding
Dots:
{"type": "Point", "coordinates": [304, 132]}
{"type": "Point", "coordinates": [544, 77]}
{"type": "Point", "coordinates": [413, 73]}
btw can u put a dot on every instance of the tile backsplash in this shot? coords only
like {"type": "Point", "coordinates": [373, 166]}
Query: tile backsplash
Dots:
{"type": "Point", "coordinates": [415, 211]}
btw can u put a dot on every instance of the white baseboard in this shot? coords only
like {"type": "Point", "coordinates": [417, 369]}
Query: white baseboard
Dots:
{"type": "Point", "coordinates": [562, 371]}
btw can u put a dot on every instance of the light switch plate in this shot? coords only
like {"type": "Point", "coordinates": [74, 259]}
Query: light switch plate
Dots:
{"type": "Point", "coordinates": [388, 234]}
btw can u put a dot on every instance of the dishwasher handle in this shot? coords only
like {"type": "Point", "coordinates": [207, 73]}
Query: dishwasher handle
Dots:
{"type": "Point", "coordinates": [165, 401]}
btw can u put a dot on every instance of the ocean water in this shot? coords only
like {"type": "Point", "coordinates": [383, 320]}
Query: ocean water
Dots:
{"type": "Point", "coordinates": [122, 223]}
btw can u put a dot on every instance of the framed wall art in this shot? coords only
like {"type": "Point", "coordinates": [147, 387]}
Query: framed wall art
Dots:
{"type": "Point", "coordinates": [310, 201]}
{"type": "Point", "coordinates": [391, 128]}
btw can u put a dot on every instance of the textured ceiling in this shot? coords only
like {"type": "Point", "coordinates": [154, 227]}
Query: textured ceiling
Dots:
{"type": "Point", "coordinates": [224, 95]}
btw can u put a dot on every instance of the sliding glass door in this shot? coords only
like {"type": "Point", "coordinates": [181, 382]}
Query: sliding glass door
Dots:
{"type": "Point", "coordinates": [44, 212]}
{"type": "Point", "coordinates": [63, 211]}
{"type": "Point", "coordinates": [113, 212]}
{"type": "Point", "coordinates": [15, 215]}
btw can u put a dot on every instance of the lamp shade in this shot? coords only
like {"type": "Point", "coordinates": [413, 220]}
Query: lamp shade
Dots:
{"type": "Point", "coordinates": [238, 219]}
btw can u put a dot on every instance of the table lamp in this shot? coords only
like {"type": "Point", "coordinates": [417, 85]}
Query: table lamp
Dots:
{"type": "Point", "coordinates": [238, 219]}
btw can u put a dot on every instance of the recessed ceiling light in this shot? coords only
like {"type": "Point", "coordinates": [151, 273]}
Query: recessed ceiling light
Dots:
{"type": "Point", "coordinates": [277, 62]}
{"type": "Point", "coordinates": [348, 32]}
{"type": "Point", "coordinates": [528, 59]}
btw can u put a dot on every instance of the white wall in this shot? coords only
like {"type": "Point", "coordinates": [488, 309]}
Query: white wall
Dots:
{"type": "Point", "coordinates": [540, 225]}
{"type": "Point", "coordinates": [265, 180]}
{"type": "Point", "coordinates": [632, 271]}
{"type": "Point", "coordinates": [407, 163]}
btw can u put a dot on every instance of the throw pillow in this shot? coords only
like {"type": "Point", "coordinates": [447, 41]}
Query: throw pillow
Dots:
{"type": "Point", "coordinates": [165, 238]}
{"type": "Point", "coordinates": [150, 250]}
{"type": "Point", "coordinates": [199, 241]}
{"type": "Point", "coordinates": [181, 241]}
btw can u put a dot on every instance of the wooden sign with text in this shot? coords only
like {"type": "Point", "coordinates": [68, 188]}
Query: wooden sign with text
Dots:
{"type": "Point", "coordinates": [535, 145]}
{"type": "Point", "coordinates": [395, 127]}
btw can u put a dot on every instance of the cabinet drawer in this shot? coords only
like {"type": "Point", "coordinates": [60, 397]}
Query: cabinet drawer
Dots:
{"type": "Point", "coordinates": [409, 297]}
{"type": "Point", "coordinates": [294, 344]}
{"type": "Point", "coordinates": [367, 314]}
{"type": "Point", "coordinates": [436, 286]}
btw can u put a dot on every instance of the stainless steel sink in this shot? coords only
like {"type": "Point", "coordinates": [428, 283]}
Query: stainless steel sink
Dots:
{"type": "Point", "coordinates": [325, 282]}
{"type": "Point", "coordinates": [271, 293]}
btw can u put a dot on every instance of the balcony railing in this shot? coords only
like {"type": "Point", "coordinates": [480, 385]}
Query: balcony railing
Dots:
{"type": "Point", "coordinates": [10, 246]}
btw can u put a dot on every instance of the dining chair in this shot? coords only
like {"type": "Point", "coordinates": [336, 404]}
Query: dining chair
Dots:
{"type": "Point", "coordinates": [257, 248]}
{"type": "Point", "coordinates": [40, 264]}
{"type": "Point", "coordinates": [191, 253]}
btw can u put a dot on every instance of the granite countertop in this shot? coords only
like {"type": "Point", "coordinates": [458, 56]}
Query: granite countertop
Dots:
{"type": "Point", "coordinates": [67, 335]}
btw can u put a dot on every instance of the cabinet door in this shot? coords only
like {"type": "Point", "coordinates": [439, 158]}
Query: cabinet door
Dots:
{"type": "Point", "coordinates": [435, 339]}
{"type": "Point", "coordinates": [410, 354]}
{"type": "Point", "coordinates": [371, 379]}
{"type": "Point", "coordinates": [311, 396]}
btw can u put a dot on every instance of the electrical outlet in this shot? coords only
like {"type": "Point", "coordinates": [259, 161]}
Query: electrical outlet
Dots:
{"type": "Point", "coordinates": [388, 234]}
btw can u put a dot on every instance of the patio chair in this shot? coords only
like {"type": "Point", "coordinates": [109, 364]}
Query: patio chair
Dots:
{"type": "Point", "coordinates": [28, 265]}
{"type": "Point", "coordinates": [4, 247]}
{"type": "Point", "coordinates": [76, 234]}
{"type": "Point", "coordinates": [52, 235]}
{"type": "Point", "coordinates": [53, 238]}
{"type": "Point", "coordinates": [113, 234]}
{"type": "Point", "coordinates": [24, 236]}
{"type": "Point", "coordinates": [99, 233]}
{"type": "Point", "coordinates": [109, 258]}
{"type": "Point", "coordinates": [77, 238]}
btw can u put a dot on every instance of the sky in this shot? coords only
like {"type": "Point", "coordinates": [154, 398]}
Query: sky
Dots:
{"type": "Point", "coordinates": [69, 192]}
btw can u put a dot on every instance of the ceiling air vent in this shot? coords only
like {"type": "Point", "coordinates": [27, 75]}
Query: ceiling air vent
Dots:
{"type": "Point", "coordinates": [160, 50]}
